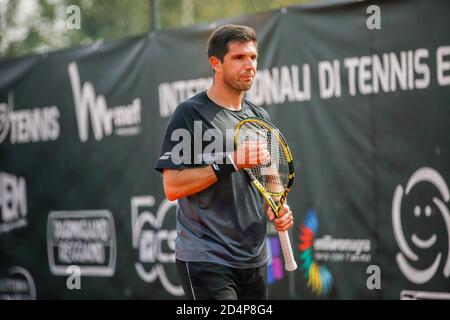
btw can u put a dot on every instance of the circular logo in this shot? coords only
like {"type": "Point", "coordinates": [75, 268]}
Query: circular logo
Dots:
{"type": "Point", "coordinates": [4, 121]}
{"type": "Point", "coordinates": [156, 244]}
{"type": "Point", "coordinates": [407, 254]}
{"type": "Point", "coordinates": [17, 285]}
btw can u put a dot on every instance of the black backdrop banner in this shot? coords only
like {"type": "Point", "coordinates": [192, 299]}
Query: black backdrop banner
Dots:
{"type": "Point", "coordinates": [360, 90]}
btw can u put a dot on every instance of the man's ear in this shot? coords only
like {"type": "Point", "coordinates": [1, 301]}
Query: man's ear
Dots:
{"type": "Point", "coordinates": [215, 63]}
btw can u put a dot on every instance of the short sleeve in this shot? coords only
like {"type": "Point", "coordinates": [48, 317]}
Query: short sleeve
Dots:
{"type": "Point", "coordinates": [177, 148]}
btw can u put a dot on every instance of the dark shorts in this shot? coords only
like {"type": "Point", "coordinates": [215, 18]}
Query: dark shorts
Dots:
{"type": "Point", "coordinates": [210, 281]}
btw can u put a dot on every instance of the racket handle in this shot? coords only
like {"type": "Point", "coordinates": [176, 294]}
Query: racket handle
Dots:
{"type": "Point", "coordinates": [289, 261]}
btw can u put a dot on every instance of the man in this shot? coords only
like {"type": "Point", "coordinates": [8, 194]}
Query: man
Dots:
{"type": "Point", "coordinates": [221, 225]}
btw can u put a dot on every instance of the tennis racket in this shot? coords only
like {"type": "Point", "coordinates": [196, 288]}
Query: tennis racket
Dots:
{"type": "Point", "coordinates": [273, 179]}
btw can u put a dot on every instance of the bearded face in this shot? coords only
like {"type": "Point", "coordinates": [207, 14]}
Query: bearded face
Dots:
{"type": "Point", "coordinates": [238, 68]}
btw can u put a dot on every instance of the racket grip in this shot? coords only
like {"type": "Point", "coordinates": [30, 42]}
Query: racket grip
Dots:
{"type": "Point", "coordinates": [289, 261]}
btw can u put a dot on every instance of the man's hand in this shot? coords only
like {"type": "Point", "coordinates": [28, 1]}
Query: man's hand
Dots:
{"type": "Point", "coordinates": [250, 154]}
{"type": "Point", "coordinates": [286, 219]}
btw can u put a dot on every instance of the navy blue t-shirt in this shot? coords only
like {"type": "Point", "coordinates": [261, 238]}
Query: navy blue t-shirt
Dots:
{"type": "Point", "coordinates": [224, 223]}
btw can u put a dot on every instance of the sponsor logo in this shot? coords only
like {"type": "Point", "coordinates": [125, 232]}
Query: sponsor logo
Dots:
{"type": "Point", "coordinates": [424, 295]}
{"type": "Point", "coordinates": [319, 277]}
{"type": "Point", "coordinates": [416, 243]}
{"type": "Point", "coordinates": [86, 239]}
{"type": "Point", "coordinates": [13, 202]}
{"type": "Point", "coordinates": [17, 284]}
{"type": "Point", "coordinates": [314, 250]}
{"type": "Point", "coordinates": [154, 237]}
{"type": "Point", "coordinates": [28, 125]}
{"type": "Point", "coordinates": [275, 266]}
{"type": "Point", "coordinates": [123, 120]}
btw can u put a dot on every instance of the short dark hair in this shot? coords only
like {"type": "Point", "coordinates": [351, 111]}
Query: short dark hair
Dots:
{"type": "Point", "coordinates": [218, 42]}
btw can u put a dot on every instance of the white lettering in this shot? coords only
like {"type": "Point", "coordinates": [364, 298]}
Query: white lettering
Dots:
{"type": "Point", "coordinates": [443, 65]}
{"type": "Point", "coordinates": [103, 119]}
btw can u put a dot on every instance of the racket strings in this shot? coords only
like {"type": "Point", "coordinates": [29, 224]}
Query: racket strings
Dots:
{"type": "Point", "coordinates": [274, 174]}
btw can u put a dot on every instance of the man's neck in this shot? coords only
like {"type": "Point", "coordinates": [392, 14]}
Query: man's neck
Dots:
{"type": "Point", "coordinates": [228, 99]}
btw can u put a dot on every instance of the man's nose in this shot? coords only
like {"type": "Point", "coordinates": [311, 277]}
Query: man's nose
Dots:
{"type": "Point", "coordinates": [250, 64]}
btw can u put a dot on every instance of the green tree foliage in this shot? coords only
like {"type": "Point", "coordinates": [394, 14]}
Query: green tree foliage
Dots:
{"type": "Point", "coordinates": [109, 19]}
{"type": "Point", "coordinates": [28, 26]}
{"type": "Point", "coordinates": [23, 31]}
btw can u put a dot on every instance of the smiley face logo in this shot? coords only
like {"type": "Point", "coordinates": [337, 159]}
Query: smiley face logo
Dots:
{"type": "Point", "coordinates": [423, 175]}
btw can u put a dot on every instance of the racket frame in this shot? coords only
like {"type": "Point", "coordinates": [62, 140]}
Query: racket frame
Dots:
{"type": "Point", "coordinates": [290, 264]}
{"type": "Point", "coordinates": [266, 193]}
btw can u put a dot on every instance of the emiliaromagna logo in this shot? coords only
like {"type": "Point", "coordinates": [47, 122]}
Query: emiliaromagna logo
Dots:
{"type": "Point", "coordinates": [319, 277]}
{"type": "Point", "coordinates": [315, 251]}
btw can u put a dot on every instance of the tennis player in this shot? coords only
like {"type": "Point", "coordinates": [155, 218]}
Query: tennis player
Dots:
{"type": "Point", "coordinates": [221, 219]}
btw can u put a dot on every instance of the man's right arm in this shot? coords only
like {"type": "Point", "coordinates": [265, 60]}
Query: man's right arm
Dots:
{"type": "Point", "coordinates": [182, 183]}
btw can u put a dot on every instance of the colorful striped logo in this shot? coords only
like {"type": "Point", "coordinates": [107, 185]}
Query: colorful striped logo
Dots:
{"type": "Point", "coordinates": [319, 277]}
{"type": "Point", "coordinates": [275, 265]}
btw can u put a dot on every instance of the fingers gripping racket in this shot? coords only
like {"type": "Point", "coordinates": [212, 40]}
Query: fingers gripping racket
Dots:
{"type": "Point", "coordinates": [273, 179]}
